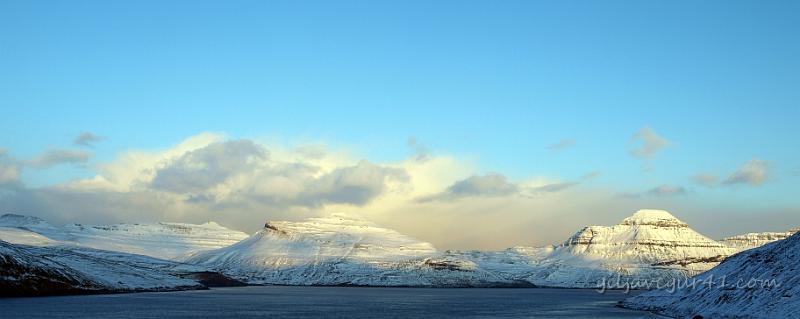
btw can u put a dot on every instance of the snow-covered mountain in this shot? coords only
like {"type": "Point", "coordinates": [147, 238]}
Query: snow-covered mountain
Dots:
{"type": "Point", "coordinates": [160, 240]}
{"type": "Point", "coordinates": [58, 269]}
{"type": "Point", "coordinates": [763, 282]}
{"type": "Point", "coordinates": [341, 250]}
{"type": "Point", "coordinates": [649, 246]}
{"type": "Point", "coordinates": [40, 258]}
{"type": "Point", "coordinates": [753, 240]}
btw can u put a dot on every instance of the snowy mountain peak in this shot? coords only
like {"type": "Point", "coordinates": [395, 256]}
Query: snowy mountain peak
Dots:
{"type": "Point", "coordinates": [649, 236]}
{"type": "Point", "coordinates": [653, 217]}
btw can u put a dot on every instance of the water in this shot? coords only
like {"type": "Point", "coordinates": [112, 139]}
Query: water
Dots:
{"type": "Point", "coordinates": [332, 302]}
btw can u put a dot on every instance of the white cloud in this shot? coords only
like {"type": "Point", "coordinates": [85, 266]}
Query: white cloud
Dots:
{"type": "Point", "coordinates": [240, 183]}
{"type": "Point", "coordinates": [207, 177]}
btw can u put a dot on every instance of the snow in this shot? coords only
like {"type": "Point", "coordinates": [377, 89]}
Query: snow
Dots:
{"type": "Point", "coordinates": [753, 240]}
{"type": "Point", "coordinates": [88, 269]}
{"type": "Point", "coordinates": [651, 245]}
{"type": "Point", "coordinates": [763, 282]}
{"type": "Point", "coordinates": [122, 257]}
{"type": "Point", "coordinates": [653, 217]}
{"type": "Point", "coordinates": [161, 240]}
{"type": "Point", "coordinates": [338, 250]}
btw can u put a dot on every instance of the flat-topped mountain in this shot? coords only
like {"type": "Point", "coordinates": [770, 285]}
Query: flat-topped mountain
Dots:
{"type": "Point", "coordinates": [652, 237]}
{"type": "Point", "coordinates": [340, 250]}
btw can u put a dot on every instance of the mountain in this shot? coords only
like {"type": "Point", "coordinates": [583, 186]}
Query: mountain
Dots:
{"type": "Point", "coordinates": [753, 240]}
{"type": "Point", "coordinates": [648, 247]}
{"type": "Point", "coordinates": [38, 258]}
{"type": "Point", "coordinates": [763, 282]}
{"type": "Point", "coordinates": [341, 250]}
{"type": "Point", "coordinates": [45, 270]}
{"type": "Point", "coordinates": [160, 240]}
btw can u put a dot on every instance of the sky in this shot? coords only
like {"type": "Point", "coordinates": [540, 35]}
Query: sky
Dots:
{"type": "Point", "coordinates": [520, 121]}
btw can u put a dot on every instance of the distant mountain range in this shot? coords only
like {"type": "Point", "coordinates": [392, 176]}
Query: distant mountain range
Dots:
{"type": "Point", "coordinates": [648, 247]}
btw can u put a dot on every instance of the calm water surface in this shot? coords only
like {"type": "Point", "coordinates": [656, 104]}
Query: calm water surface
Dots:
{"type": "Point", "coordinates": [332, 302]}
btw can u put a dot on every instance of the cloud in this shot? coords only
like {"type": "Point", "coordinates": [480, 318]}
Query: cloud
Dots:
{"type": "Point", "coordinates": [561, 186]}
{"type": "Point", "coordinates": [88, 139]}
{"type": "Point", "coordinates": [206, 177]}
{"type": "Point", "coordinates": [648, 142]}
{"type": "Point", "coordinates": [562, 144]}
{"type": "Point", "coordinates": [707, 180]}
{"type": "Point", "coordinates": [555, 187]}
{"type": "Point", "coordinates": [243, 170]}
{"type": "Point", "coordinates": [658, 191]}
{"type": "Point", "coordinates": [208, 167]}
{"type": "Point", "coordinates": [56, 157]}
{"type": "Point", "coordinates": [354, 184]}
{"type": "Point", "coordinates": [9, 169]}
{"type": "Point", "coordinates": [753, 173]}
{"type": "Point", "coordinates": [476, 185]}
{"type": "Point", "coordinates": [241, 182]}
{"type": "Point", "coordinates": [667, 190]}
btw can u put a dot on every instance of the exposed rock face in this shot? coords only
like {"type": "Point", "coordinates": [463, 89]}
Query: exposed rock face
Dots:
{"type": "Point", "coordinates": [763, 282]}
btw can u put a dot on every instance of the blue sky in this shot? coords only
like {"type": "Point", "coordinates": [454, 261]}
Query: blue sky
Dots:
{"type": "Point", "coordinates": [493, 82]}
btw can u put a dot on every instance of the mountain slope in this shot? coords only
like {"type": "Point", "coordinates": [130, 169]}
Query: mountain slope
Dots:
{"type": "Point", "coordinates": [753, 240]}
{"type": "Point", "coordinates": [648, 247]}
{"type": "Point", "coordinates": [32, 270]}
{"type": "Point", "coordinates": [39, 258]}
{"type": "Point", "coordinates": [341, 250]}
{"type": "Point", "coordinates": [161, 240]}
{"type": "Point", "coordinates": [763, 282]}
